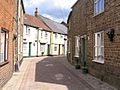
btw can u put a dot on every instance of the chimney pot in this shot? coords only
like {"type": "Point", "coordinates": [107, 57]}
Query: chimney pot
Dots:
{"type": "Point", "coordinates": [36, 12]}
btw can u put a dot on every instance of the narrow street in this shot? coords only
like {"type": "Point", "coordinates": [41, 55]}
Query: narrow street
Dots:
{"type": "Point", "coordinates": [46, 73]}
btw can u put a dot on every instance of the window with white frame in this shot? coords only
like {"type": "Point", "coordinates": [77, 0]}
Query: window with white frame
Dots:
{"type": "Point", "coordinates": [4, 46]}
{"type": "Point", "coordinates": [46, 34]}
{"type": "Point", "coordinates": [55, 48]}
{"type": "Point", "coordinates": [42, 47]}
{"type": "Point", "coordinates": [99, 47]}
{"type": "Point", "coordinates": [61, 36]}
{"type": "Point", "coordinates": [27, 30]}
{"type": "Point", "coordinates": [98, 6]}
{"type": "Point", "coordinates": [77, 38]}
{"type": "Point", "coordinates": [41, 34]}
{"type": "Point", "coordinates": [25, 48]}
{"type": "Point", "coordinates": [55, 35]}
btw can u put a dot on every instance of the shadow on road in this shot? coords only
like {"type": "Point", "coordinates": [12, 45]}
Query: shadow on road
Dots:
{"type": "Point", "coordinates": [51, 70]}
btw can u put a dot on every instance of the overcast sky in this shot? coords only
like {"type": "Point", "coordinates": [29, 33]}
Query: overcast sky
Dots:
{"type": "Point", "coordinates": [57, 10]}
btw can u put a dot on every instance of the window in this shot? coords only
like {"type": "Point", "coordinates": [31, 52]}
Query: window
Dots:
{"type": "Point", "coordinates": [55, 48]}
{"type": "Point", "coordinates": [61, 36]}
{"type": "Point", "coordinates": [27, 31]}
{"type": "Point", "coordinates": [25, 48]}
{"type": "Point", "coordinates": [98, 6]}
{"type": "Point", "coordinates": [4, 46]}
{"type": "Point", "coordinates": [41, 34]}
{"type": "Point", "coordinates": [55, 35]}
{"type": "Point", "coordinates": [46, 34]}
{"type": "Point", "coordinates": [42, 47]}
{"type": "Point", "coordinates": [77, 38]}
{"type": "Point", "coordinates": [99, 47]}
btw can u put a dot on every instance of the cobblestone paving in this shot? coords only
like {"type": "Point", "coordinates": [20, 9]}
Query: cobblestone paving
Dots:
{"type": "Point", "coordinates": [52, 73]}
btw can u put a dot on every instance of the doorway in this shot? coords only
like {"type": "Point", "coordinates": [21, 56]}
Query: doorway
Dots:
{"type": "Point", "coordinates": [30, 43]}
{"type": "Point", "coordinates": [84, 52]}
{"type": "Point", "coordinates": [48, 50]}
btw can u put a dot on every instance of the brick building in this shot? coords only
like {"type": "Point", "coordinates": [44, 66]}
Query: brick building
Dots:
{"type": "Point", "coordinates": [8, 38]}
{"type": "Point", "coordinates": [94, 38]}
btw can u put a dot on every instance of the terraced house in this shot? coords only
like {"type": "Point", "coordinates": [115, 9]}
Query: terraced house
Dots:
{"type": "Point", "coordinates": [40, 37]}
{"type": "Point", "coordinates": [8, 37]}
{"type": "Point", "coordinates": [94, 38]}
{"type": "Point", "coordinates": [36, 37]}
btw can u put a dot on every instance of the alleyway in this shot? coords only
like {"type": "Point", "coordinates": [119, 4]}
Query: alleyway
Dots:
{"type": "Point", "coordinates": [47, 73]}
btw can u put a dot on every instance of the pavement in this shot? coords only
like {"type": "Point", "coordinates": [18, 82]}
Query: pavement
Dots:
{"type": "Point", "coordinates": [52, 73]}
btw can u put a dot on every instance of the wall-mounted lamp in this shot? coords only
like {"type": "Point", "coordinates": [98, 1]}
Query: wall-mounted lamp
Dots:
{"type": "Point", "coordinates": [111, 34]}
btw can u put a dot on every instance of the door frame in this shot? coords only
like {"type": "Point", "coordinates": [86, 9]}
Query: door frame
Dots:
{"type": "Point", "coordinates": [84, 51]}
{"type": "Point", "coordinates": [30, 43]}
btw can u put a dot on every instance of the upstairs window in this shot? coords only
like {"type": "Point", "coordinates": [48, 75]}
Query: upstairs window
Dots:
{"type": "Point", "coordinates": [4, 46]}
{"type": "Point", "coordinates": [61, 36]}
{"type": "Point", "coordinates": [99, 47]}
{"type": "Point", "coordinates": [41, 34]}
{"type": "Point", "coordinates": [98, 6]}
{"type": "Point", "coordinates": [46, 34]}
{"type": "Point", "coordinates": [27, 30]}
{"type": "Point", "coordinates": [56, 35]}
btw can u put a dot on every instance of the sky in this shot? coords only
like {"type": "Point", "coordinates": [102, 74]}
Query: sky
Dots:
{"type": "Point", "coordinates": [57, 10]}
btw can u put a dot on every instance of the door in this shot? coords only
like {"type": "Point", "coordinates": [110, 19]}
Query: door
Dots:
{"type": "Point", "coordinates": [59, 50]}
{"type": "Point", "coordinates": [63, 49]}
{"type": "Point", "coordinates": [30, 43]}
{"type": "Point", "coordinates": [84, 52]}
{"type": "Point", "coordinates": [48, 50]}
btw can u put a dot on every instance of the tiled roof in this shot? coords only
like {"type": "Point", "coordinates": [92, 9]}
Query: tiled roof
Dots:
{"type": "Point", "coordinates": [55, 26]}
{"type": "Point", "coordinates": [35, 22]}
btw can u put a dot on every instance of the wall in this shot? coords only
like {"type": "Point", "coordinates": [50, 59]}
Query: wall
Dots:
{"type": "Point", "coordinates": [83, 22]}
{"type": "Point", "coordinates": [110, 18]}
{"type": "Point", "coordinates": [30, 36]}
{"type": "Point", "coordinates": [7, 12]}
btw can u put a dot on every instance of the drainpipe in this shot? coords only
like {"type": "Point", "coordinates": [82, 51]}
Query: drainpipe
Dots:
{"type": "Point", "coordinates": [18, 36]}
{"type": "Point", "coordinates": [37, 40]}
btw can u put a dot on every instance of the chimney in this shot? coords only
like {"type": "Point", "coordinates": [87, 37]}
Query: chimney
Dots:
{"type": "Point", "coordinates": [36, 12]}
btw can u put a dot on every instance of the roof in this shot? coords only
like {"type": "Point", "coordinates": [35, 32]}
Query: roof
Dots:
{"type": "Point", "coordinates": [75, 3]}
{"type": "Point", "coordinates": [55, 26]}
{"type": "Point", "coordinates": [70, 14]}
{"type": "Point", "coordinates": [35, 22]}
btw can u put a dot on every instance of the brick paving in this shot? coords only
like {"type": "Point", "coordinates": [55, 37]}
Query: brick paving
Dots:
{"type": "Point", "coordinates": [52, 73]}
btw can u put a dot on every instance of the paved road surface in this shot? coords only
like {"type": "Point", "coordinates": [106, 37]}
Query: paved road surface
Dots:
{"type": "Point", "coordinates": [46, 73]}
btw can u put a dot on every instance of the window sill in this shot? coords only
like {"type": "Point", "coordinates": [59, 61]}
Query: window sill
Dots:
{"type": "Point", "coordinates": [98, 61]}
{"type": "Point", "coordinates": [76, 56]}
{"type": "Point", "coordinates": [95, 15]}
{"type": "Point", "coordinates": [4, 63]}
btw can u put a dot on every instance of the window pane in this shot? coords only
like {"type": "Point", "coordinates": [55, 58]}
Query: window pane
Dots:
{"type": "Point", "coordinates": [99, 45]}
{"type": "Point", "coordinates": [2, 45]}
{"type": "Point", "coordinates": [102, 5]}
{"type": "Point", "coordinates": [6, 46]}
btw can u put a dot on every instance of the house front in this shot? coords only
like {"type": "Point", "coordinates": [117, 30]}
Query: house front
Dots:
{"type": "Point", "coordinates": [36, 40]}
{"type": "Point", "coordinates": [58, 41]}
{"type": "Point", "coordinates": [93, 38]}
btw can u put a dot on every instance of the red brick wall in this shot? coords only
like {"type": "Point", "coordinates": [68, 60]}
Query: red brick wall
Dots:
{"type": "Point", "coordinates": [7, 12]}
{"type": "Point", "coordinates": [86, 23]}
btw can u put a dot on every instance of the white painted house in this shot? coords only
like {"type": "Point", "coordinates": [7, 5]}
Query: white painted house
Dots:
{"type": "Point", "coordinates": [44, 42]}
{"type": "Point", "coordinates": [58, 36]}
{"type": "Point", "coordinates": [43, 36]}
{"type": "Point", "coordinates": [36, 36]}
